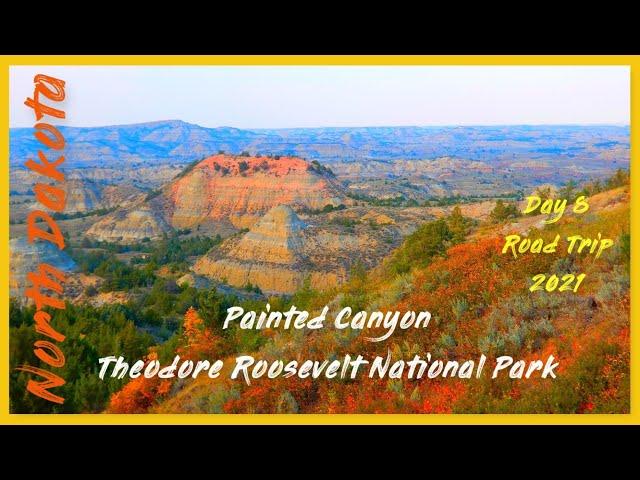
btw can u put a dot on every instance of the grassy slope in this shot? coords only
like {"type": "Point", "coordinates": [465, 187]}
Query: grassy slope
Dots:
{"type": "Point", "coordinates": [480, 304]}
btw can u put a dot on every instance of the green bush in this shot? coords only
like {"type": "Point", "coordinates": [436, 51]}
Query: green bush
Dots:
{"type": "Point", "coordinates": [503, 211]}
{"type": "Point", "coordinates": [90, 333]}
{"type": "Point", "coordinates": [428, 241]}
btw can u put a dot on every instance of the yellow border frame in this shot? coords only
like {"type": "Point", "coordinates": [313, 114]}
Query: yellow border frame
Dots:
{"type": "Point", "coordinates": [6, 61]}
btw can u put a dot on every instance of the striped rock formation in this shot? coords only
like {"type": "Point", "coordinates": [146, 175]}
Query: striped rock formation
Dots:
{"type": "Point", "coordinates": [228, 192]}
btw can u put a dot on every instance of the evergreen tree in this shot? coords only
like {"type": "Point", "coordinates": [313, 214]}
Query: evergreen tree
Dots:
{"type": "Point", "coordinates": [503, 211]}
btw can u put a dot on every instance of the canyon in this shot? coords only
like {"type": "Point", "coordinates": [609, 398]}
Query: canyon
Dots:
{"type": "Point", "coordinates": [286, 220]}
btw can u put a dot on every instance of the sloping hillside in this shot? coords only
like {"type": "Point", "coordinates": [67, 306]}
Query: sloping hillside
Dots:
{"type": "Point", "coordinates": [481, 304]}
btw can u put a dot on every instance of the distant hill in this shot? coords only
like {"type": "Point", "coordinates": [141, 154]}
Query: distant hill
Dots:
{"type": "Point", "coordinates": [175, 141]}
{"type": "Point", "coordinates": [171, 141]}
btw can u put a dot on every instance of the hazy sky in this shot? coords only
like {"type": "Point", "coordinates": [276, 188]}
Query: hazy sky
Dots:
{"type": "Point", "coordinates": [273, 97]}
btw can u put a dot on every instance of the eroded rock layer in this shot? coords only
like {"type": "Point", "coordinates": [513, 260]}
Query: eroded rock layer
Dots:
{"type": "Point", "coordinates": [228, 191]}
{"type": "Point", "coordinates": [224, 186]}
{"type": "Point", "coordinates": [275, 255]}
{"type": "Point", "coordinates": [129, 226]}
{"type": "Point", "coordinates": [25, 258]}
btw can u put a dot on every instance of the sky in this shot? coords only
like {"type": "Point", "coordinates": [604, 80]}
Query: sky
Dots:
{"type": "Point", "coordinates": [324, 96]}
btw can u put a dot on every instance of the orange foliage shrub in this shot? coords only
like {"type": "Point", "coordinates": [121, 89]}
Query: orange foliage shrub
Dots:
{"type": "Point", "coordinates": [275, 396]}
{"type": "Point", "coordinates": [138, 395]}
{"type": "Point", "coordinates": [199, 342]}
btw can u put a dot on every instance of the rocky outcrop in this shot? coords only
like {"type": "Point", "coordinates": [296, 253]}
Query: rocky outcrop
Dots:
{"type": "Point", "coordinates": [273, 255]}
{"type": "Point", "coordinates": [271, 279]}
{"type": "Point", "coordinates": [25, 258]}
{"type": "Point", "coordinates": [85, 195]}
{"type": "Point", "coordinates": [123, 195]}
{"type": "Point", "coordinates": [224, 187]}
{"type": "Point", "coordinates": [231, 192]}
{"type": "Point", "coordinates": [130, 226]}
{"type": "Point", "coordinates": [275, 238]}
{"type": "Point", "coordinates": [82, 196]}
